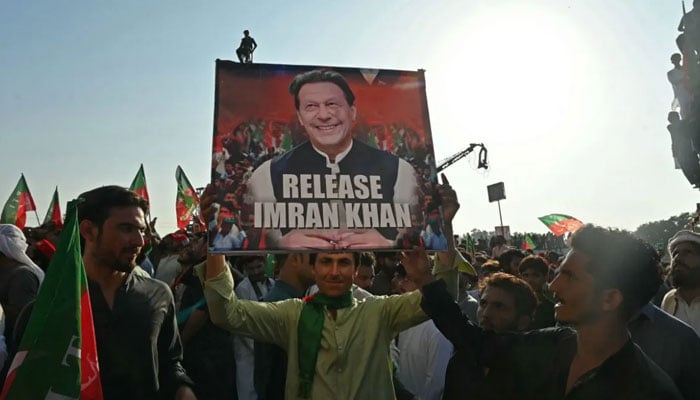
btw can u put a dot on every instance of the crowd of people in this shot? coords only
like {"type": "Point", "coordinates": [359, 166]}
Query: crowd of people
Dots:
{"type": "Point", "coordinates": [172, 321]}
{"type": "Point", "coordinates": [684, 117]}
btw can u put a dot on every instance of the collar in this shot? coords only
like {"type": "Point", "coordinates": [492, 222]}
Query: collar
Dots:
{"type": "Point", "coordinates": [128, 282]}
{"type": "Point", "coordinates": [615, 368]}
{"type": "Point", "coordinates": [649, 312]}
{"type": "Point", "coordinates": [338, 158]}
{"type": "Point", "coordinates": [673, 293]}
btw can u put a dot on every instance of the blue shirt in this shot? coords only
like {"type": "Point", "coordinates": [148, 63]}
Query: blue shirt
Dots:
{"type": "Point", "coordinates": [672, 345]}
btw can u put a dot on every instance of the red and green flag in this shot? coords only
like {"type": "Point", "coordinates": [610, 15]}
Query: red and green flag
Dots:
{"type": "Point", "coordinates": [560, 224]}
{"type": "Point", "coordinates": [53, 214]}
{"type": "Point", "coordinates": [57, 356]}
{"type": "Point", "coordinates": [187, 200]}
{"type": "Point", "coordinates": [138, 185]}
{"type": "Point", "coordinates": [16, 207]}
{"type": "Point", "coordinates": [528, 243]}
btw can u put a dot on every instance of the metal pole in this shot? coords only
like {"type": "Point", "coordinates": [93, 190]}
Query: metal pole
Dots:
{"type": "Point", "coordinates": [500, 217]}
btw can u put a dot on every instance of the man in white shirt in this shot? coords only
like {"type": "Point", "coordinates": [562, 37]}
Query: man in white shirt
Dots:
{"type": "Point", "coordinates": [229, 237]}
{"type": "Point", "coordinates": [169, 266]}
{"type": "Point", "coordinates": [680, 82]}
{"type": "Point", "coordinates": [254, 287]}
{"type": "Point", "coordinates": [423, 353]}
{"type": "Point", "coordinates": [683, 301]}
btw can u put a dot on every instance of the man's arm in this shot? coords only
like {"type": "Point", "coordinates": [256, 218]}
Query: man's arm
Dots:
{"type": "Point", "coordinates": [216, 263]}
{"type": "Point", "coordinates": [448, 318]}
{"type": "Point", "coordinates": [438, 303]}
{"type": "Point", "coordinates": [262, 321]}
{"type": "Point", "coordinates": [404, 311]}
{"type": "Point", "coordinates": [445, 266]}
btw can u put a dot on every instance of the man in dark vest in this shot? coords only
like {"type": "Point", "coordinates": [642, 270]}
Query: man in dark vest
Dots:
{"type": "Point", "coordinates": [332, 192]}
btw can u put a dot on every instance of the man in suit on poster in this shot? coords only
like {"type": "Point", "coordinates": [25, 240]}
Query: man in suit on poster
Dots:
{"type": "Point", "coordinates": [332, 191]}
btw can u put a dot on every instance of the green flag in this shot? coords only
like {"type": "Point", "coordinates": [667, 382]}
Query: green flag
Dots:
{"type": "Point", "coordinates": [53, 214]}
{"type": "Point", "coordinates": [559, 224]}
{"type": "Point", "coordinates": [16, 207]}
{"type": "Point", "coordinates": [186, 201]}
{"type": "Point", "coordinates": [57, 356]}
{"type": "Point", "coordinates": [528, 243]}
{"type": "Point", "coordinates": [138, 185]}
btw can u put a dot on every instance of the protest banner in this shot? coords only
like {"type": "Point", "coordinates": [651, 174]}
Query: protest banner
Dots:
{"type": "Point", "coordinates": [322, 158]}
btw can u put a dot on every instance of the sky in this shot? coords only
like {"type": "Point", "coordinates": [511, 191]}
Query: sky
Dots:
{"type": "Point", "coordinates": [569, 96]}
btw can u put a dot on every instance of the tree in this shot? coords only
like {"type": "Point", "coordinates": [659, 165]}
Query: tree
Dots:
{"type": "Point", "coordinates": [657, 233]}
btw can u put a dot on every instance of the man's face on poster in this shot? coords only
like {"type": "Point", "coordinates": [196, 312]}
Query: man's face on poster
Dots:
{"type": "Point", "coordinates": [326, 116]}
{"type": "Point", "coordinates": [228, 167]}
{"type": "Point", "coordinates": [226, 228]}
{"type": "Point", "coordinates": [229, 197]}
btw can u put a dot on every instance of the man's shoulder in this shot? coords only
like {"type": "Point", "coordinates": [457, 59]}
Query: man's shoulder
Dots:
{"type": "Point", "coordinates": [300, 153]}
{"type": "Point", "coordinates": [362, 147]}
{"type": "Point", "coordinates": [301, 149]}
{"type": "Point", "coordinates": [652, 380]}
{"type": "Point", "coordinates": [551, 335]}
{"type": "Point", "coordinates": [21, 276]}
{"type": "Point", "coordinates": [149, 284]}
{"type": "Point", "coordinates": [280, 291]}
{"type": "Point", "coordinates": [22, 272]}
{"type": "Point", "coordinates": [667, 323]}
{"type": "Point", "coordinates": [276, 295]}
{"type": "Point", "coordinates": [245, 283]}
{"type": "Point", "coordinates": [380, 300]}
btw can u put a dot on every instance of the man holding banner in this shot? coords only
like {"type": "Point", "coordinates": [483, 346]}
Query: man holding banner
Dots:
{"type": "Point", "coordinates": [337, 347]}
{"type": "Point", "coordinates": [332, 191]}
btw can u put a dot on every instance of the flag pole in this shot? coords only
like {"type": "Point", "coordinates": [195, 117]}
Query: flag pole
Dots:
{"type": "Point", "coordinates": [38, 221]}
{"type": "Point", "coordinates": [500, 217]}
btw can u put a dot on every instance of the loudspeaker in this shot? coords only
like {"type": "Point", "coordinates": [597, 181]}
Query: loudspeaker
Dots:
{"type": "Point", "coordinates": [497, 191]}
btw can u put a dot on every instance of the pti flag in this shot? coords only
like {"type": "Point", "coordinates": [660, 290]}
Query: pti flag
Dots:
{"type": "Point", "coordinates": [57, 356]}
{"type": "Point", "coordinates": [560, 224]}
{"type": "Point", "coordinates": [138, 185]}
{"type": "Point", "coordinates": [527, 243]}
{"type": "Point", "coordinates": [53, 214]}
{"type": "Point", "coordinates": [187, 200]}
{"type": "Point", "coordinates": [16, 207]}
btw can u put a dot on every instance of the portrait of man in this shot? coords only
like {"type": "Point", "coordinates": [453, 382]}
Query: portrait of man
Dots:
{"type": "Point", "coordinates": [372, 185]}
{"type": "Point", "coordinates": [340, 174]}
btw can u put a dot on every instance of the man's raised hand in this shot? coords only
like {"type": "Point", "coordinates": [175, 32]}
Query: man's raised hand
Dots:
{"type": "Point", "coordinates": [418, 266]}
{"type": "Point", "coordinates": [449, 203]}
